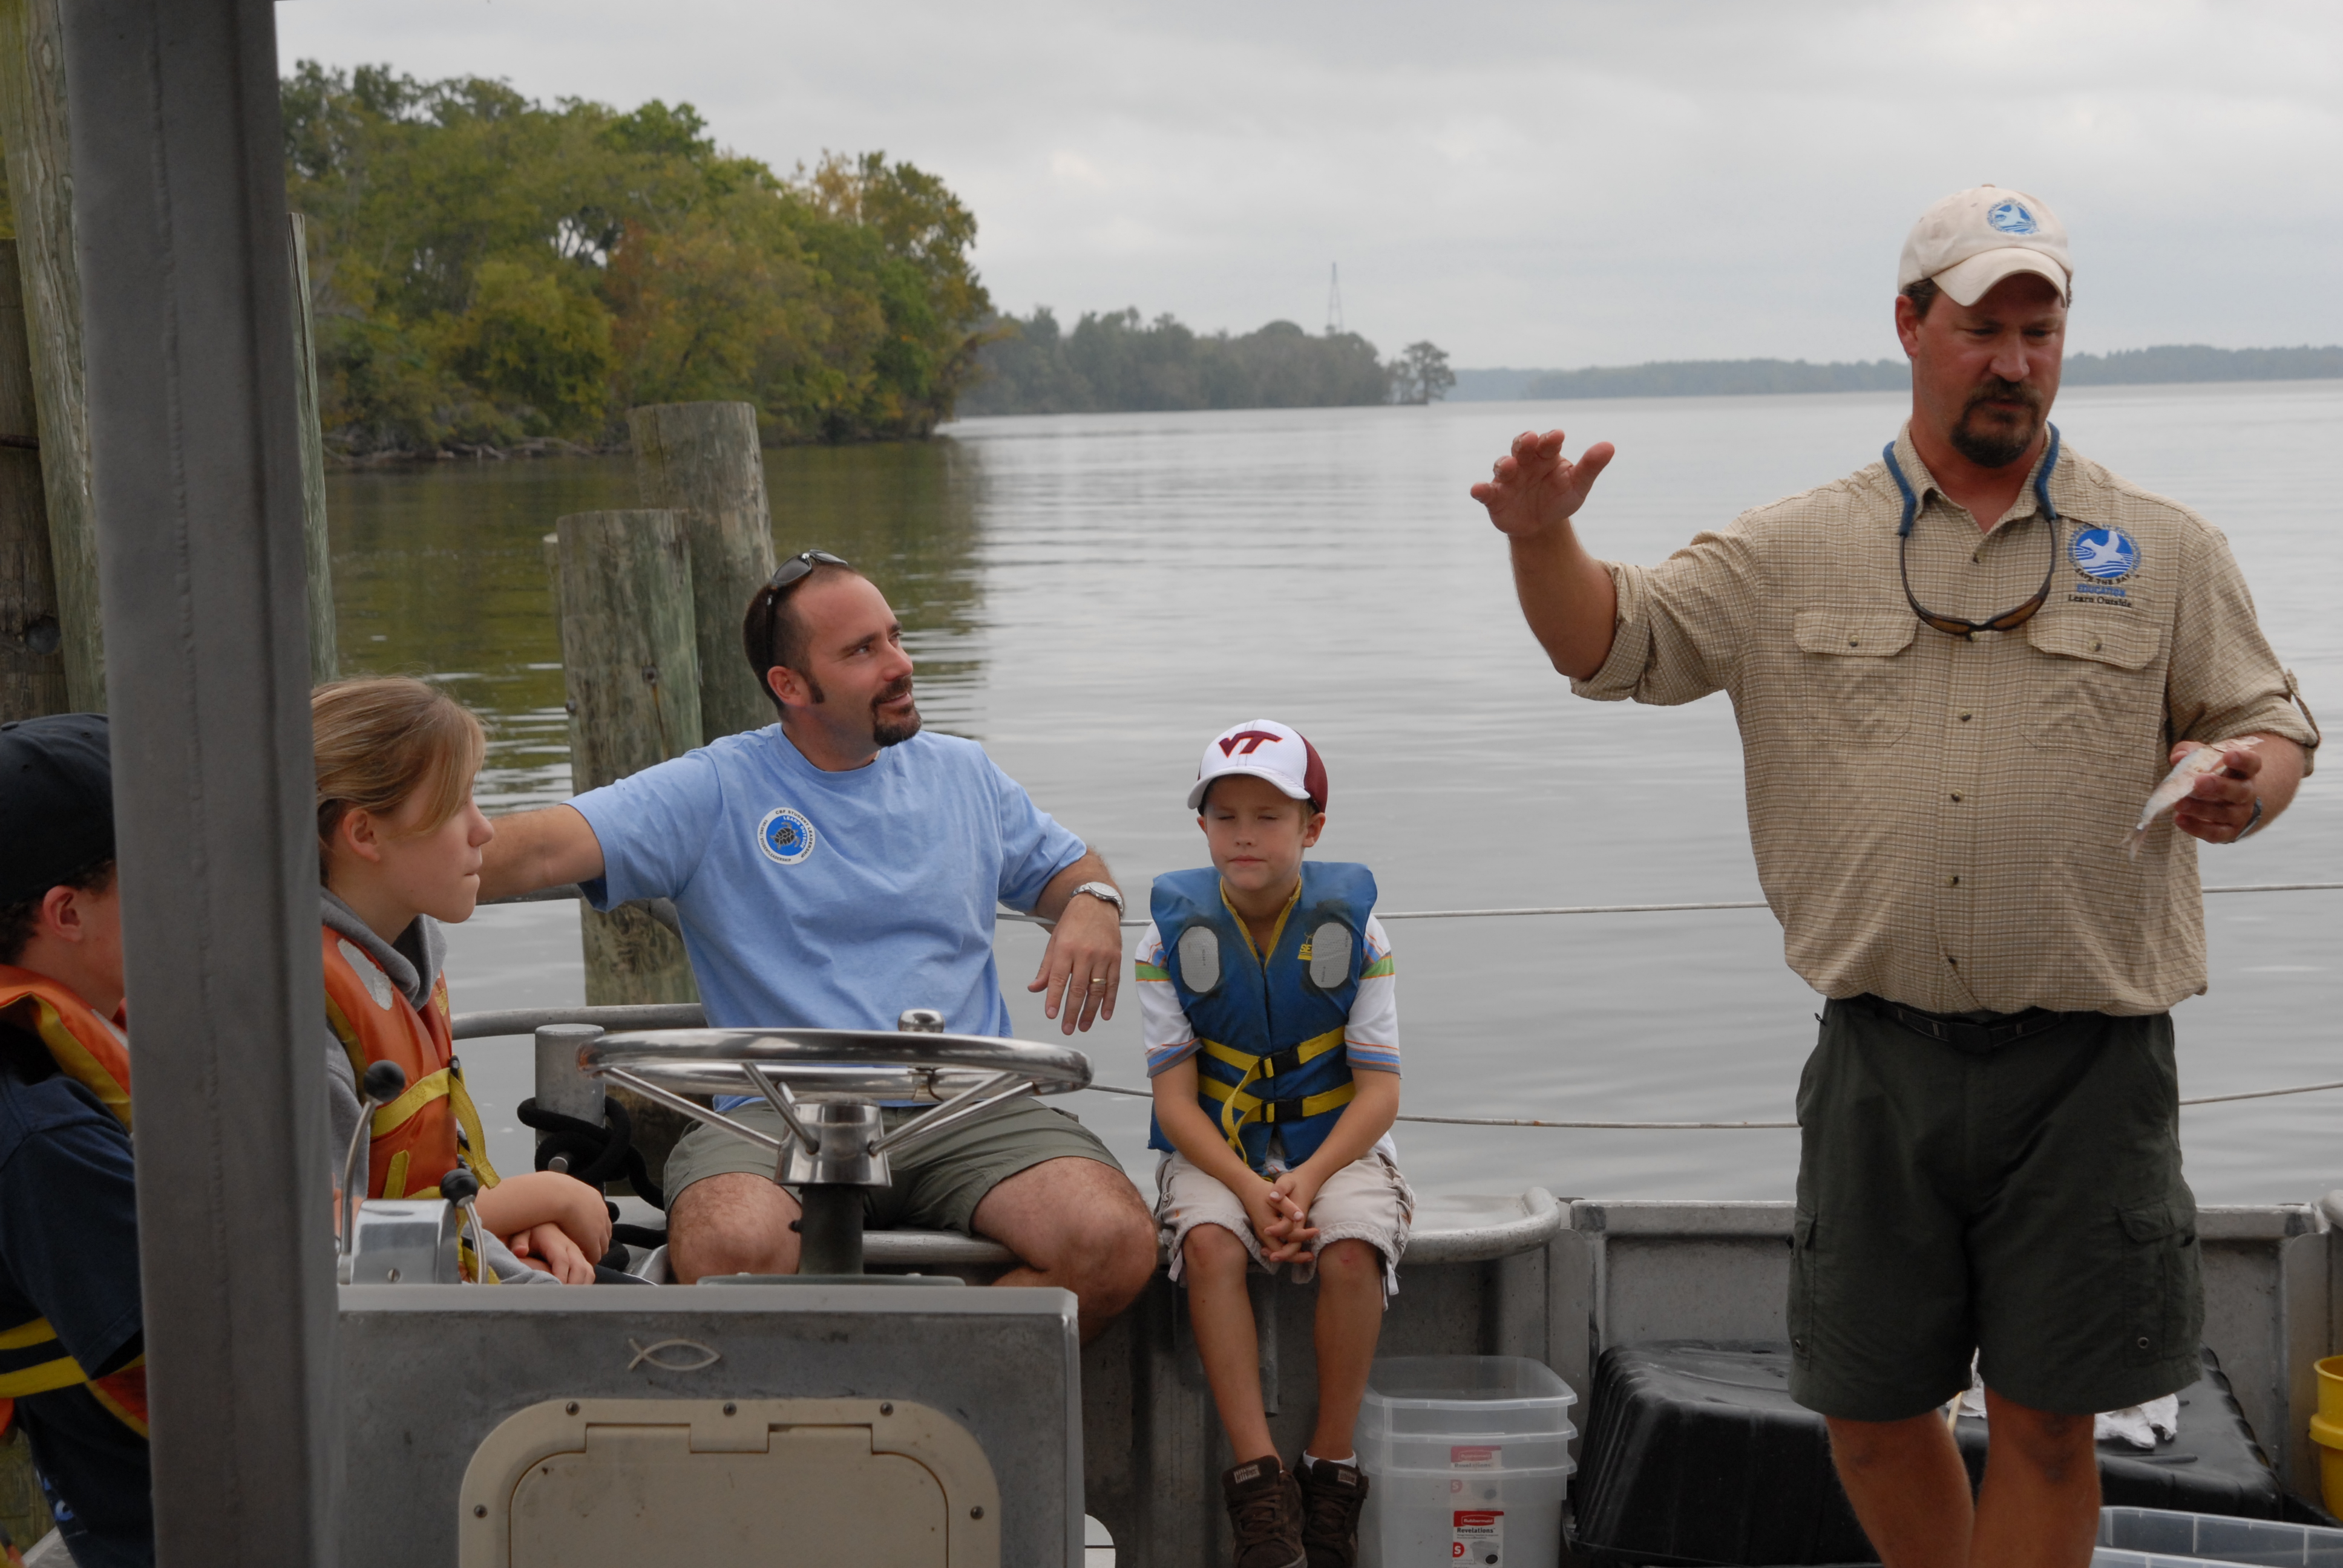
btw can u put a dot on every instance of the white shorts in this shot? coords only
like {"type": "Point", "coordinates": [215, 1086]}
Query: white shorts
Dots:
{"type": "Point", "coordinates": [1366, 1201]}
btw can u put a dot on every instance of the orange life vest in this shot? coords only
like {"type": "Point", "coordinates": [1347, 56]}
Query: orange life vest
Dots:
{"type": "Point", "coordinates": [415, 1138]}
{"type": "Point", "coordinates": [92, 1051]}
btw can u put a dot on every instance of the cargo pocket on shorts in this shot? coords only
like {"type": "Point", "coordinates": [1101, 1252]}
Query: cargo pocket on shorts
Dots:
{"type": "Point", "coordinates": [1802, 1283]}
{"type": "Point", "coordinates": [2162, 1280]}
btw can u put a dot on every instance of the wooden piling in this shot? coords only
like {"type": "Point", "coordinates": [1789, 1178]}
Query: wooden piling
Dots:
{"type": "Point", "coordinates": [325, 654]}
{"type": "Point", "coordinates": [628, 659]}
{"type": "Point", "coordinates": [623, 586]}
{"type": "Point", "coordinates": [32, 122]}
{"type": "Point", "coordinates": [702, 459]}
{"type": "Point", "coordinates": [32, 660]}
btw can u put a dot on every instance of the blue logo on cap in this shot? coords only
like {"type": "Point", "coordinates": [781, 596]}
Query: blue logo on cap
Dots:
{"type": "Point", "coordinates": [2011, 218]}
{"type": "Point", "coordinates": [785, 835]}
{"type": "Point", "coordinates": [2107, 554]}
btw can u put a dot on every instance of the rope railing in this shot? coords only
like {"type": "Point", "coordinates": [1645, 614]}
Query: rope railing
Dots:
{"type": "Point", "coordinates": [571, 890]}
{"type": "Point", "coordinates": [1709, 1126]}
{"type": "Point", "coordinates": [1133, 925]}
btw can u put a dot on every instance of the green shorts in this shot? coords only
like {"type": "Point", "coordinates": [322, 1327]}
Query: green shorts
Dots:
{"type": "Point", "coordinates": [937, 1186]}
{"type": "Point", "coordinates": [2024, 1202]}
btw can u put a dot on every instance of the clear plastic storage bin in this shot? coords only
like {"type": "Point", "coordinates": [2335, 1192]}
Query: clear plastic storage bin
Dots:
{"type": "Point", "coordinates": [1442, 1396]}
{"type": "Point", "coordinates": [1446, 1451]}
{"type": "Point", "coordinates": [1469, 1457]}
{"type": "Point", "coordinates": [2210, 1537]}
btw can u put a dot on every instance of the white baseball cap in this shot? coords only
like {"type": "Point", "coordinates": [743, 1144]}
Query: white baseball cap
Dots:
{"type": "Point", "coordinates": [1266, 749]}
{"type": "Point", "coordinates": [1973, 239]}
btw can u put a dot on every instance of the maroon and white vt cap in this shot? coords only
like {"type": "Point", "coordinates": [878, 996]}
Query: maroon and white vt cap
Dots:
{"type": "Point", "coordinates": [1266, 749]}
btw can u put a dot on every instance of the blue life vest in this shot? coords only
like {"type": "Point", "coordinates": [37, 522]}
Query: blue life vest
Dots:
{"type": "Point", "coordinates": [1271, 1051]}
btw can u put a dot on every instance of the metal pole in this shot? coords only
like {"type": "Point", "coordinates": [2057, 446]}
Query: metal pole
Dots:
{"type": "Point", "coordinates": [179, 210]}
{"type": "Point", "coordinates": [562, 1086]}
{"type": "Point", "coordinates": [830, 1230]}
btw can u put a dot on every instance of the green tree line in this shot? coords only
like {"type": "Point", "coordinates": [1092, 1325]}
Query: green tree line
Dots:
{"type": "Point", "coordinates": [487, 270]}
{"type": "Point", "coordinates": [1726, 377]}
{"type": "Point", "coordinates": [1114, 361]}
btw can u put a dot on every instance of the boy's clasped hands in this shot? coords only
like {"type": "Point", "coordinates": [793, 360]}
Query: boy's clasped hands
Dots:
{"type": "Point", "coordinates": [1279, 1211]}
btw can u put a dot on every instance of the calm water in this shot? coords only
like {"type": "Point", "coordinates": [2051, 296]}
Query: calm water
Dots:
{"type": "Point", "coordinates": [1093, 596]}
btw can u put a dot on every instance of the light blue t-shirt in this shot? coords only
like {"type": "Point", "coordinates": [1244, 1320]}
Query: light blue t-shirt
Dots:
{"type": "Point", "coordinates": [831, 900]}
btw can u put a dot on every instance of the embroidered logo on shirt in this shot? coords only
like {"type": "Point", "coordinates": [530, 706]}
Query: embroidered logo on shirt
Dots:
{"type": "Point", "coordinates": [2106, 555]}
{"type": "Point", "coordinates": [2011, 218]}
{"type": "Point", "coordinates": [785, 835]}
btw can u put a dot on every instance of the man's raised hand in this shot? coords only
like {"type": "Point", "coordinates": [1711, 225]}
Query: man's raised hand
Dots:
{"type": "Point", "coordinates": [1533, 488]}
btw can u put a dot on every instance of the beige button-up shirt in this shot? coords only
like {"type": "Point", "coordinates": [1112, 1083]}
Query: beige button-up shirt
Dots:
{"type": "Point", "coordinates": [1939, 821]}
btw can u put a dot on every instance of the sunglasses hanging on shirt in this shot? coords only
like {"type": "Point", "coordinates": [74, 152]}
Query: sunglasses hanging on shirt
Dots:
{"type": "Point", "coordinates": [2008, 619]}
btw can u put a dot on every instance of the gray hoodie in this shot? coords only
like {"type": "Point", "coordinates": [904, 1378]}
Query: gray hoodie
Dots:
{"type": "Point", "coordinates": [413, 963]}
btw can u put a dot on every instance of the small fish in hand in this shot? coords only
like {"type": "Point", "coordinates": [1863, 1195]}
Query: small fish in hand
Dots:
{"type": "Point", "coordinates": [2175, 784]}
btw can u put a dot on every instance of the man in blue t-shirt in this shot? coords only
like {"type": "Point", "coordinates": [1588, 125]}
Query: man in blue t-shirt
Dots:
{"type": "Point", "coordinates": [831, 871]}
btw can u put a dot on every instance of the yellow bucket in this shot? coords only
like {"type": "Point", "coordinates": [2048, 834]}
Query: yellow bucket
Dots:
{"type": "Point", "coordinates": [2327, 1432]}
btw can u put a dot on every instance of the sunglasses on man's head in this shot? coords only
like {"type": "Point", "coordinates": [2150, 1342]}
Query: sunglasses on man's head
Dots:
{"type": "Point", "coordinates": [799, 564]}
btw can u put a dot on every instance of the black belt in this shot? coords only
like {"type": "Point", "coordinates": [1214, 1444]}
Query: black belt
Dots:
{"type": "Point", "coordinates": [1963, 1034]}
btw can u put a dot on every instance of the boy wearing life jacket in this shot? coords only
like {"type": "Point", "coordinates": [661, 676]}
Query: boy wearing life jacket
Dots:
{"type": "Point", "coordinates": [1272, 1046]}
{"type": "Point", "coordinates": [73, 1365]}
{"type": "Point", "coordinates": [399, 844]}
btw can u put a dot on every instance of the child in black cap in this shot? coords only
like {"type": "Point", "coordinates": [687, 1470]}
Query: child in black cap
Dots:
{"type": "Point", "coordinates": [73, 1366]}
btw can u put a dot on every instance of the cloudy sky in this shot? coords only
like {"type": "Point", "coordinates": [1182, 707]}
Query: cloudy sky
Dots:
{"type": "Point", "coordinates": [1522, 183]}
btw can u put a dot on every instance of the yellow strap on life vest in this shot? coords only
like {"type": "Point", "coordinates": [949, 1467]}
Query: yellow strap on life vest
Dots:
{"type": "Point", "coordinates": [476, 1139]}
{"type": "Point", "coordinates": [1238, 1108]}
{"type": "Point", "coordinates": [1252, 1066]}
{"type": "Point", "coordinates": [468, 1261]}
{"type": "Point", "coordinates": [63, 1372]}
{"type": "Point", "coordinates": [40, 1377]}
{"type": "Point", "coordinates": [391, 1118]}
{"type": "Point", "coordinates": [448, 1082]}
{"type": "Point", "coordinates": [1241, 1109]}
{"type": "Point", "coordinates": [37, 1333]}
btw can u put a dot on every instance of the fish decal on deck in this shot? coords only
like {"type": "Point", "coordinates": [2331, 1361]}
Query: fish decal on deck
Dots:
{"type": "Point", "coordinates": [2175, 784]}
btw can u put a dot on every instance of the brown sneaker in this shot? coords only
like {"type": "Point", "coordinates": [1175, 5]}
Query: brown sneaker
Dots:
{"type": "Point", "coordinates": [1332, 1496]}
{"type": "Point", "coordinates": [1265, 1511]}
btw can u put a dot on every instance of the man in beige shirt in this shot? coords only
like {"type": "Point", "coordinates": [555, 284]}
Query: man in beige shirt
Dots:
{"type": "Point", "coordinates": [1958, 672]}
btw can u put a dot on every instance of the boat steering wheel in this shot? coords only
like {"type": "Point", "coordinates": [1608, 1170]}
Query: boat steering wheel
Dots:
{"type": "Point", "coordinates": [827, 1083]}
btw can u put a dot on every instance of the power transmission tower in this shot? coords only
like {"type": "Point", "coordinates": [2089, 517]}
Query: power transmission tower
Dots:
{"type": "Point", "coordinates": [1333, 299]}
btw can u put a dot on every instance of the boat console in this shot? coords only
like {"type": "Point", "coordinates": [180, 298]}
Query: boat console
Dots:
{"type": "Point", "coordinates": [828, 1417]}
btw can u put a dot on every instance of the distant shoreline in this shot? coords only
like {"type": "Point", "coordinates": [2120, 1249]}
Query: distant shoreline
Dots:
{"type": "Point", "coordinates": [2167, 363]}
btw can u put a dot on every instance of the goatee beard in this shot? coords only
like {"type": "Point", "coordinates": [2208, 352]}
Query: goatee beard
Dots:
{"type": "Point", "coordinates": [1997, 449]}
{"type": "Point", "coordinates": [889, 731]}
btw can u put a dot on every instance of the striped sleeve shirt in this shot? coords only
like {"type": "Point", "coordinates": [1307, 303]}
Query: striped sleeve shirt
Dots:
{"type": "Point", "coordinates": [1370, 1036]}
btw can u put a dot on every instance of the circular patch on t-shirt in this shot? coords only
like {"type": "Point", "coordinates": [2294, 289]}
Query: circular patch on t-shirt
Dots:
{"type": "Point", "coordinates": [785, 835]}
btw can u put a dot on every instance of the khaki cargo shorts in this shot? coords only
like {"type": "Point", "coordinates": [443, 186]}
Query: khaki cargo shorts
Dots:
{"type": "Point", "coordinates": [937, 1186]}
{"type": "Point", "coordinates": [1366, 1201]}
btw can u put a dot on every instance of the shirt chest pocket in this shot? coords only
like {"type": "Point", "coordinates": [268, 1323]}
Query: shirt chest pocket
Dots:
{"type": "Point", "coordinates": [1856, 674]}
{"type": "Point", "coordinates": [2100, 684]}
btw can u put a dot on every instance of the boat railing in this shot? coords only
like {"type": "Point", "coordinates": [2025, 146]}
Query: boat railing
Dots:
{"type": "Point", "coordinates": [663, 911]}
{"type": "Point", "coordinates": [688, 1015]}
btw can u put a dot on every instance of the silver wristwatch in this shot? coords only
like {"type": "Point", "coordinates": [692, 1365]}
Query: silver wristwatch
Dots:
{"type": "Point", "coordinates": [1106, 891]}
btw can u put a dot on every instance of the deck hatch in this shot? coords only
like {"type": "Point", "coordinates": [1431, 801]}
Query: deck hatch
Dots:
{"type": "Point", "coordinates": [781, 1481]}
